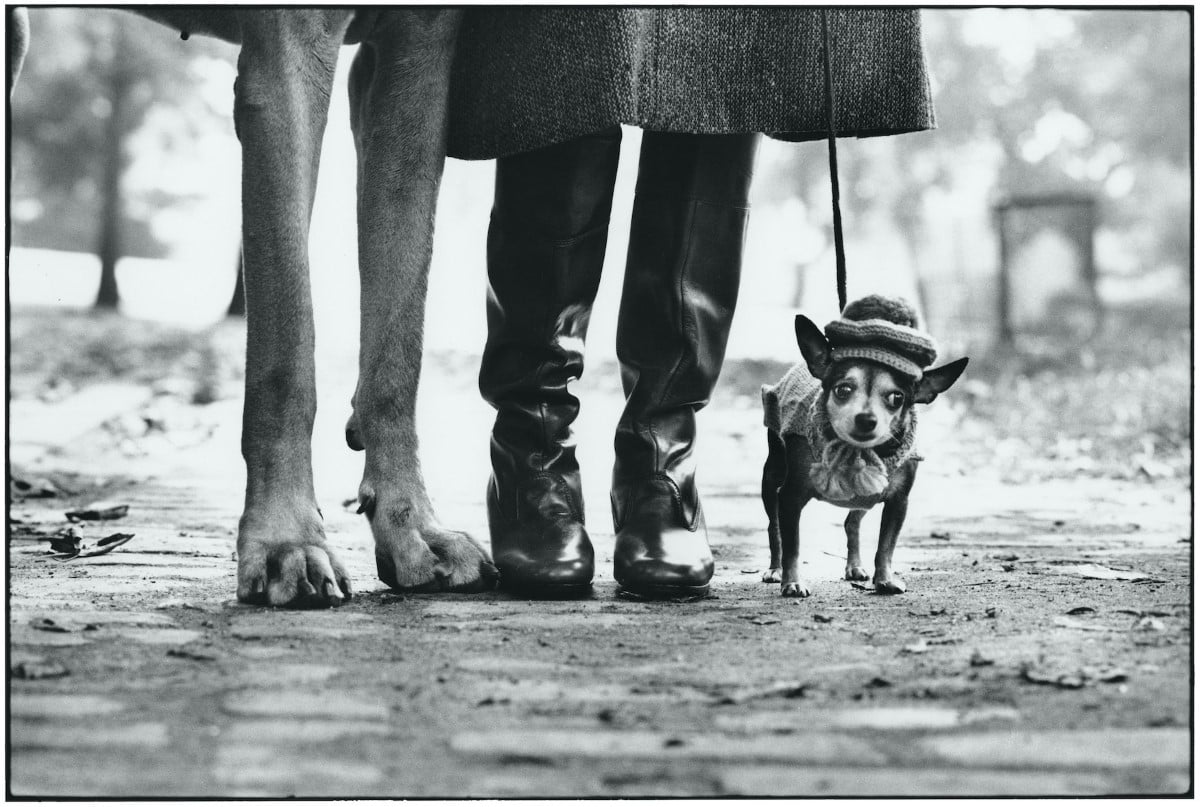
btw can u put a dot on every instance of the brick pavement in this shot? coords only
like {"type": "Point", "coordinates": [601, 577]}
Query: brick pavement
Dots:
{"type": "Point", "coordinates": [135, 673]}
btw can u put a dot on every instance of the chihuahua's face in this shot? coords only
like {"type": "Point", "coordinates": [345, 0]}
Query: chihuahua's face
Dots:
{"type": "Point", "coordinates": [867, 404]}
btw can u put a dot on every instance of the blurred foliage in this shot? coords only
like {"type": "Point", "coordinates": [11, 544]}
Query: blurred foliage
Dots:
{"type": "Point", "coordinates": [56, 353]}
{"type": "Point", "coordinates": [96, 79]}
{"type": "Point", "coordinates": [1120, 407]}
{"type": "Point", "coordinates": [1035, 100]}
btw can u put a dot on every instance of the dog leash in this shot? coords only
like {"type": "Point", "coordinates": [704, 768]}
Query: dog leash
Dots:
{"type": "Point", "coordinates": [839, 246]}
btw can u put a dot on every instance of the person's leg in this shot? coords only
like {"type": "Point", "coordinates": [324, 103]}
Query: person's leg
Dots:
{"type": "Point", "coordinates": [545, 254]}
{"type": "Point", "coordinates": [681, 285]}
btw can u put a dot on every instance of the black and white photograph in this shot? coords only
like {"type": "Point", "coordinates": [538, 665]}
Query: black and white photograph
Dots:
{"type": "Point", "coordinates": [599, 402]}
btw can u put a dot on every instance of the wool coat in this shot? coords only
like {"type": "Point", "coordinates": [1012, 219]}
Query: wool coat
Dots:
{"type": "Point", "coordinates": [527, 77]}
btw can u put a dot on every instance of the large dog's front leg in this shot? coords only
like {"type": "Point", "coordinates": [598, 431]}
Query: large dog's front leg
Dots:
{"type": "Point", "coordinates": [399, 88]}
{"type": "Point", "coordinates": [285, 74]}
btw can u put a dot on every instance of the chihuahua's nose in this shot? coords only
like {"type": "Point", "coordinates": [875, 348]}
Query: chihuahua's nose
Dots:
{"type": "Point", "coordinates": [864, 422]}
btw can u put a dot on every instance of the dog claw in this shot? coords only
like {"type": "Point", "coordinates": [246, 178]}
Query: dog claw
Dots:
{"type": "Point", "coordinates": [299, 573]}
{"type": "Point", "coordinates": [892, 585]}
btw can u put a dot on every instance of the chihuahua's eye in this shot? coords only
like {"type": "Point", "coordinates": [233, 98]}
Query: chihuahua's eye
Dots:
{"type": "Point", "coordinates": [894, 400]}
{"type": "Point", "coordinates": [843, 391]}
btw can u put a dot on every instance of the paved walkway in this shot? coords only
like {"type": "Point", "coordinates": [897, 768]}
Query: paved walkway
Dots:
{"type": "Point", "coordinates": [1043, 647]}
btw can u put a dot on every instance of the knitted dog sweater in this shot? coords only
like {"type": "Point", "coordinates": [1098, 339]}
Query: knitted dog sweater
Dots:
{"type": "Point", "coordinates": [841, 474]}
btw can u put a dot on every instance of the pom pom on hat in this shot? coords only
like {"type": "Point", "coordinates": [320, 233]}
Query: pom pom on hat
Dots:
{"type": "Point", "coordinates": [884, 330]}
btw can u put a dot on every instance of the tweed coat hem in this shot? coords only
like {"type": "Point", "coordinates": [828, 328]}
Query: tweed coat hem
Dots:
{"type": "Point", "coordinates": [527, 77]}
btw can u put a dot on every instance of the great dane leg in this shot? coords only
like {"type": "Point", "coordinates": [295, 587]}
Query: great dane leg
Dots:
{"type": "Point", "coordinates": [399, 95]}
{"type": "Point", "coordinates": [285, 74]}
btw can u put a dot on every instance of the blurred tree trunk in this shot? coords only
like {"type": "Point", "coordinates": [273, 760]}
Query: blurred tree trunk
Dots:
{"type": "Point", "coordinates": [237, 305]}
{"type": "Point", "coordinates": [109, 246]}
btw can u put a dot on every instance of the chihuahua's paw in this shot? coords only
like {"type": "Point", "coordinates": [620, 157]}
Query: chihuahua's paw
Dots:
{"type": "Point", "coordinates": [857, 573]}
{"type": "Point", "coordinates": [797, 589]}
{"type": "Point", "coordinates": [773, 575]}
{"type": "Point", "coordinates": [890, 585]}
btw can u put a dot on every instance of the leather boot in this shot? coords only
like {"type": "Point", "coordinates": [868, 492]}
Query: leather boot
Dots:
{"type": "Point", "coordinates": [681, 286]}
{"type": "Point", "coordinates": [545, 253]}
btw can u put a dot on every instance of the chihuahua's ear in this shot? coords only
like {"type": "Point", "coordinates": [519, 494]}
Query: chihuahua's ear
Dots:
{"type": "Point", "coordinates": [938, 380]}
{"type": "Point", "coordinates": [813, 346]}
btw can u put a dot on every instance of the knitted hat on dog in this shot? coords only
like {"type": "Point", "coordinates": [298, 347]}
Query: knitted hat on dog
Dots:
{"type": "Point", "coordinates": [884, 330]}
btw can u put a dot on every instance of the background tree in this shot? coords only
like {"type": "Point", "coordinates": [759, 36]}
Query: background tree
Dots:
{"type": "Point", "coordinates": [1030, 100]}
{"type": "Point", "coordinates": [91, 82]}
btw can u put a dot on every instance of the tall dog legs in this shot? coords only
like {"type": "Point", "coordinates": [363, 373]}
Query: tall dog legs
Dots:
{"type": "Point", "coordinates": [285, 73]}
{"type": "Point", "coordinates": [398, 99]}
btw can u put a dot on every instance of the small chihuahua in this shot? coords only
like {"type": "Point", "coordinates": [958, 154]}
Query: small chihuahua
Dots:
{"type": "Point", "coordinates": [840, 428]}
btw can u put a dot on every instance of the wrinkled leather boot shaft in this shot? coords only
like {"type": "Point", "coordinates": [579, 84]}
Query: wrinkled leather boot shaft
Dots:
{"type": "Point", "coordinates": [546, 249]}
{"type": "Point", "coordinates": [681, 287]}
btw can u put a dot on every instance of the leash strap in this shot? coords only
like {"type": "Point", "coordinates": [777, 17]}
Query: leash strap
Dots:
{"type": "Point", "coordinates": [839, 246]}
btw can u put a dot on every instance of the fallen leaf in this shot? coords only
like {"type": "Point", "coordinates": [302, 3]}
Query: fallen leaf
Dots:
{"type": "Point", "coordinates": [822, 618]}
{"type": "Point", "coordinates": [878, 682]}
{"type": "Point", "coordinates": [913, 649]}
{"type": "Point", "coordinates": [191, 655]}
{"type": "Point", "coordinates": [1155, 469]}
{"type": "Point", "coordinates": [48, 625]}
{"type": "Point", "coordinates": [763, 621]}
{"type": "Point", "coordinates": [1148, 623]}
{"type": "Point", "coordinates": [1094, 571]}
{"type": "Point", "coordinates": [37, 670]}
{"type": "Point", "coordinates": [781, 689]}
{"type": "Point", "coordinates": [1067, 622]}
{"type": "Point", "coordinates": [1009, 556]}
{"type": "Point", "coordinates": [492, 701]}
{"type": "Point", "coordinates": [940, 535]}
{"type": "Point", "coordinates": [101, 547]}
{"type": "Point", "coordinates": [978, 659]}
{"type": "Point", "coordinates": [1082, 609]}
{"type": "Point", "coordinates": [65, 540]}
{"type": "Point", "coordinates": [33, 489]}
{"type": "Point", "coordinates": [1052, 678]}
{"type": "Point", "coordinates": [749, 571]}
{"type": "Point", "coordinates": [98, 511]}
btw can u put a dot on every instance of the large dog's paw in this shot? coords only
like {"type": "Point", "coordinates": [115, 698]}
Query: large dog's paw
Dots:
{"type": "Point", "coordinates": [889, 583]}
{"type": "Point", "coordinates": [298, 571]}
{"type": "Point", "coordinates": [773, 575]}
{"type": "Point", "coordinates": [795, 588]}
{"type": "Point", "coordinates": [857, 573]}
{"type": "Point", "coordinates": [413, 553]}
